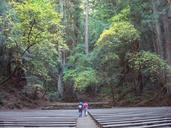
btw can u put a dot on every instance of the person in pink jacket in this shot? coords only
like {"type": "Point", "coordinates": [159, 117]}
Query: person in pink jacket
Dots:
{"type": "Point", "coordinates": [85, 107]}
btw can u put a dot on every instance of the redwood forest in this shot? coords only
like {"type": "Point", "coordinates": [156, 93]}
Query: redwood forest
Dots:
{"type": "Point", "coordinates": [106, 52]}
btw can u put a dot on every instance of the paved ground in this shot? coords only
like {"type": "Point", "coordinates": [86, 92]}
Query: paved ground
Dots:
{"type": "Point", "coordinates": [86, 122]}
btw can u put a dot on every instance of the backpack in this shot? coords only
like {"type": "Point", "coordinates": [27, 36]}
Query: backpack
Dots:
{"type": "Point", "coordinates": [80, 106]}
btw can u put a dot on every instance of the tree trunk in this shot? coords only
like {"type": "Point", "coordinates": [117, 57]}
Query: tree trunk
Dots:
{"type": "Point", "coordinates": [60, 73]}
{"type": "Point", "coordinates": [113, 95]}
{"type": "Point", "coordinates": [3, 52]}
{"type": "Point", "coordinates": [158, 41]}
{"type": "Point", "coordinates": [167, 38]}
{"type": "Point", "coordinates": [140, 83]}
{"type": "Point", "coordinates": [86, 27]}
{"type": "Point", "coordinates": [166, 27]}
{"type": "Point", "coordinates": [60, 84]}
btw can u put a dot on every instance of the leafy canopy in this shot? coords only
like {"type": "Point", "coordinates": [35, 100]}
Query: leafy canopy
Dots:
{"type": "Point", "coordinates": [32, 22]}
{"type": "Point", "coordinates": [80, 70]}
{"type": "Point", "coordinates": [34, 28]}
{"type": "Point", "coordinates": [146, 62]}
{"type": "Point", "coordinates": [121, 31]}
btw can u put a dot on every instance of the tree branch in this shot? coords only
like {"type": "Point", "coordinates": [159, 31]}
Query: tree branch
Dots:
{"type": "Point", "coordinates": [31, 44]}
{"type": "Point", "coordinates": [27, 49]}
{"type": "Point", "coordinates": [30, 30]}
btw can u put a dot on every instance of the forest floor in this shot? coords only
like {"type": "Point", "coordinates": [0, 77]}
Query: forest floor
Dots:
{"type": "Point", "coordinates": [13, 98]}
{"type": "Point", "coordinates": [66, 105]}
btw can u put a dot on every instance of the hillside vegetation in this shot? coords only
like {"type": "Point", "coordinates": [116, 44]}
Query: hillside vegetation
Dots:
{"type": "Point", "coordinates": [95, 50]}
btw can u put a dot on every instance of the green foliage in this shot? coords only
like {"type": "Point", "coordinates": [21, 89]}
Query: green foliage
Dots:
{"type": "Point", "coordinates": [144, 18]}
{"type": "Point", "coordinates": [38, 32]}
{"type": "Point", "coordinates": [105, 60]}
{"type": "Point", "coordinates": [39, 69]}
{"type": "Point", "coordinates": [96, 27]}
{"type": "Point", "coordinates": [121, 31]}
{"type": "Point", "coordinates": [142, 13]}
{"type": "Point", "coordinates": [81, 73]}
{"type": "Point", "coordinates": [147, 62]}
{"type": "Point", "coordinates": [82, 77]}
{"type": "Point", "coordinates": [124, 15]}
{"type": "Point", "coordinates": [3, 6]}
{"type": "Point", "coordinates": [45, 61]}
{"type": "Point", "coordinates": [34, 29]}
{"type": "Point", "coordinates": [101, 13]}
{"type": "Point", "coordinates": [112, 46]}
{"type": "Point", "coordinates": [104, 10]}
{"type": "Point", "coordinates": [86, 70]}
{"type": "Point", "coordinates": [31, 21]}
{"type": "Point", "coordinates": [80, 59]}
{"type": "Point", "coordinates": [115, 40]}
{"type": "Point", "coordinates": [72, 20]}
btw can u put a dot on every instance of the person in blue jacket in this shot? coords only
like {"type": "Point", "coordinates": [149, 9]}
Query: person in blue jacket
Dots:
{"type": "Point", "coordinates": [80, 109]}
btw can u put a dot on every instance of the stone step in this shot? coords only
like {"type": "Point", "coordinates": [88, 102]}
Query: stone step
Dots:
{"type": "Point", "coordinates": [57, 122]}
{"type": "Point", "coordinates": [34, 119]}
{"type": "Point", "coordinates": [132, 121]}
{"type": "Point", "coordinates": [133, 117]}
{"type": "Point", "coordinates": [38, 125]}
{"type": "Point", "coordinates": [135, 124]}
{"type": "Point", "coordinates": [165, 125]}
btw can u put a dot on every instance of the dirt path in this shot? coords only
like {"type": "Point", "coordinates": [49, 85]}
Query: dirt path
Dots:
{"type": "Point", "coordinates": [86, 122]}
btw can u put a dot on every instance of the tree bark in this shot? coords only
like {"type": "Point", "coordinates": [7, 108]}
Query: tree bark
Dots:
{"type": "Point", "coordinates": [158, 41]}
{"type": "Point", "coordinates": [166, 27]}
{"type": "Point", "coordinates": [86, 27]}
{"type": "Point", "coordinates": [60, 73]}
{"type": "Point", "coordinates": [140, 83]}
{"type": "Point", "coordinates": [3, 51]}
{"type": "Point", "coordinates": [113, 95]}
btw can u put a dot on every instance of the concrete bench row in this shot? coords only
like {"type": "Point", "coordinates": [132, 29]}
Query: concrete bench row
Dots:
{"type": "Point", "coordinates": [133, 117]}
{"type": "Point", "coordinates": [41, 119]}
